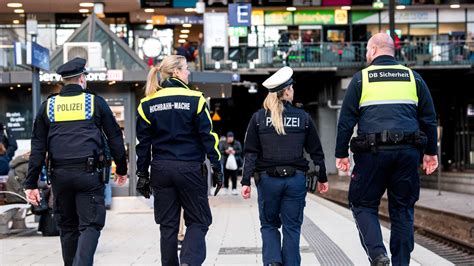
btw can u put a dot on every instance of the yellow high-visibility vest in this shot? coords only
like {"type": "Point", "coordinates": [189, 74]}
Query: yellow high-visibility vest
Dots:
{"type": "Point", "coordinates": [390, 84]}
{"type": "Point", "coordinates": [70, 108]}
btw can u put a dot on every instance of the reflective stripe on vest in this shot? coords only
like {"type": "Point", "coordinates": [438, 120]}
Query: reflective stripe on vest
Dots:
{"type": "Point", "coordinates": [70, 108]}
{"type": "Point", "coordinates": [393, 84]}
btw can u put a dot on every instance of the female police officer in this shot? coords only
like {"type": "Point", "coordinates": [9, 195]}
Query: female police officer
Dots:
{"type": "Point", "coordinates": [276, 137]}
{"type": "Point", "coordinates": [174, 125]}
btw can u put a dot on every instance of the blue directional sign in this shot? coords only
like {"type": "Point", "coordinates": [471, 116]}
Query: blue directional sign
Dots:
{"type": "Point", "coordinates": [240, 15]}
{"type": "Point", "coordinates": [236, 77]}
{"type": "Point", "coordinates": [39, 56]}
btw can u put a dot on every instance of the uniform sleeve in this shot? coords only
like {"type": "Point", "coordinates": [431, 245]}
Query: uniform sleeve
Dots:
{"type": "Point", "coordinates": [12, 146]}
{"type": "Point", "coordinates": [251, 149]}
{"type": "Point", "coordinates": [314, 148]}
{"type": "Point", "coordinates": [144, 137]}
{"type": "Point", "coordinates": [349, 116]}
{"type": "Point", "coordinates": [114, 136]}
{"type": "Point", "coordinates": [209, 139]}
{"type": "Point", "coordinates": [39, 144]}
{"type": "Point", "coordinates": [238, 148]}
{"type": "Point", "coordinates": [427, 115]}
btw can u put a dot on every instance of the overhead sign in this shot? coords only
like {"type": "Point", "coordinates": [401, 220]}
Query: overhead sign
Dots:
{"type": "Point", "coordinates": [258, 17]}
{"type": "Point", "coordinates": [109, 75]}
{"type": "Point", "coordinates": [155, 3]}
{"type": "Point", "coordinates": [236, 77]}
{"type": "Point", "coordinates": [215, 30]}
{"type": "Point", "coordinates": [37, 56]}
{"type": "Point", "coordinates": [240, 15]}
{"type": "Point", "coordinates": [340, 17]}
{"type": "Point", "coordinates": [238, 31]}
{"type": "Point", "coordinates": [278, 18]}
{"type": "Point", "coordinates": [314, 17]}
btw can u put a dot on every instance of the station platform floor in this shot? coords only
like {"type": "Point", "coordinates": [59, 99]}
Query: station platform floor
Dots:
{"type": "Point", "coordinates": [131, 237]}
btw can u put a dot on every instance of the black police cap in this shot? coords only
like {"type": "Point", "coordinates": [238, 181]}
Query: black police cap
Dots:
{"type": "Point", "coordinates": [72, 68]}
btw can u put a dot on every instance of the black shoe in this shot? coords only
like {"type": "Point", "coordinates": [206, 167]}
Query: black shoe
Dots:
{"type": "Point", "coordinates": [381, 260]}
{"type": "Point", "coordinates": [275, 264]}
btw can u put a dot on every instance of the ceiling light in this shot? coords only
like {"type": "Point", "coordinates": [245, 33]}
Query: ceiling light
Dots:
{"type": "Point", "coordinates": [346, 7]}
{"type": "Point", "coordinates": [455, 6]}
{"type": "Point", "coordinates": [83, 10]}
{"type": "Point", "coordinates": [183, 36]}
{"type": "Point", "coordinates": [291, 8]}
{"type": "Point", "coordinates": [19, 11]}
{"type": "Point", "coordinates": [14, 5]}
{"type": "Point", "coordinates": [149, 21]}
{"type": "Point", "coordinates": [149, 10]}
{"type": "Point", "coordinates": [16, 21]}
{"type": "Point", "coordinates": [29, 89]}
{"type": "Point", "coordinates": [400, 7]}
{"type": "Point", "coordinates": [11, 88]}
{"type": "Point", "coordinates": [189, 9]}
{"type": "Point", "coordinates": [187, 25]}
{"type": "Point", "coordinates": [86, 4]}
{"type": "Point", "coordinates": [181, 41]}
{"type": "Point", "coordinates": [185, 31]}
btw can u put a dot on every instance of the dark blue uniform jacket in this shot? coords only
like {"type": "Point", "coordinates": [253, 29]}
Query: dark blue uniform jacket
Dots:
{"type": "Point", "coordinates": [175, 124]}
{"type": "Point", "coordinates": [397, 117]}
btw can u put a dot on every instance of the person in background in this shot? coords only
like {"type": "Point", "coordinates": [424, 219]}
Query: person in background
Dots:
{"type": "Point", "coordinates": [16, 177]}
{"type": "Point", "coordinates": [231, 148]}
{"type": "Point", "coordinates": [8, 140]}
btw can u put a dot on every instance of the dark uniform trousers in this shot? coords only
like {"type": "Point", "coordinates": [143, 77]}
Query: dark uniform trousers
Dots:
{"type": "Point", "coordinates": [281, 200]}
{"type": "Point", "coordinates": [176, 185]}
{"type": "Point", "coordinates": [79, 211]}
{"type": "Point", "coordinates": [394, 170]}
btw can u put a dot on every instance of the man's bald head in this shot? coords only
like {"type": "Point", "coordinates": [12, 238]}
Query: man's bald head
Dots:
{"type": "Point", "coordinates": [379, 44]}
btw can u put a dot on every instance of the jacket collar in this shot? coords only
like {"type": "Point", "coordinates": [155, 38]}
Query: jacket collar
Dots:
{"type": "Point", "coordinates": [71, 89]}
{"type": "Point", "coordinates": [174, 82]}
{"type": "Point", "coordinates": [385, 60]}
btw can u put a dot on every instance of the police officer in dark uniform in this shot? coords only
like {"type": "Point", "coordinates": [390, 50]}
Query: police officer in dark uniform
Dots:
{"type": "Point", "coordinates": [393, 109]}
{"type": "Point", "coordinates": [276, 137]}
{"type": "Point", "coordinates": [174, 130]}
{"type": "Point", "coordinates": [72, 127]}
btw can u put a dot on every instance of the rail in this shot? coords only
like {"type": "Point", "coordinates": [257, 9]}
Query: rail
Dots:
{"type": "Point", "coordinates": [340, 55]}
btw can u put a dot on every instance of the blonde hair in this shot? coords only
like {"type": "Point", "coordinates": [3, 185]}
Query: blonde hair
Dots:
{"type": "Point", "coordinates": [166, 68]}
{"type": "Point", "coordinates": [274, 104]}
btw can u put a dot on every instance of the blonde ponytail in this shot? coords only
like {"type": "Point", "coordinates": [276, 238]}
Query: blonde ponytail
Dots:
{"type": "Point", "coordinates": [274, 104]}
{"type": "Point", "coordinates": [166, 68]}
{"type": "Point", "coordinates": [152, 84]}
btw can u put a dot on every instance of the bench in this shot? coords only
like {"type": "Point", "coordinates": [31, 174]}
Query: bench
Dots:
{"type": "Point", "coordinates": [12, 212]}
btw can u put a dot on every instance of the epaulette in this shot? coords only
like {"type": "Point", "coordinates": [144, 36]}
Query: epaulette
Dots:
{"type": "Point", "coordinates": [53, 94]}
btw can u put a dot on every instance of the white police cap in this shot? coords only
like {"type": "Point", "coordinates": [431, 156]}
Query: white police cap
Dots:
{"type": "Point", "coordinates": [280, 80]}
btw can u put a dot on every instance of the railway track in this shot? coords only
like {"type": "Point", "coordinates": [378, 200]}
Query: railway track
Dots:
{"type": "Point", "coordinates": [449, 235]}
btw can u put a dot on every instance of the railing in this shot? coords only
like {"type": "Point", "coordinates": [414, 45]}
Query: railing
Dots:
{"type": "Point", "coordinates": [349, 55]}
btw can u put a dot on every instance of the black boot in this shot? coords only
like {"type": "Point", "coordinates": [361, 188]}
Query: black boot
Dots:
{"type": "Point", "coordinates": [275, 264]}
{"type": "Point", "coordinates": [381, 260]}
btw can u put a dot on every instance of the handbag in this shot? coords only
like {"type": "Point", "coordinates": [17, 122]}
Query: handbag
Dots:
{"type": "Point", "coordinates": [231, 163]}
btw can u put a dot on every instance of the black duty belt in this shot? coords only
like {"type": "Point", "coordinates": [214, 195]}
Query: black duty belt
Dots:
{"type": "Point", "coordinates": [389, 139]}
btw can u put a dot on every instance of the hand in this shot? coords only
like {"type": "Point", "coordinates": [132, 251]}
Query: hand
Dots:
{"type": "Point", "coordinates": [323, 187]}
{"type": "Point", "coordinates": [217, 179]}
{"type": "Point", "coordinates": [246, 192]}
{"type": "Point", "coordinates": [33, 196]}
{"type": "Point", "coordinates": [143, 185]}
{"type": "Point", "coordinates": [430, 163]}
{"type": "Point", "coordinates": [120, 179]}
{"type": "Point", "coordinates": [343, 164]}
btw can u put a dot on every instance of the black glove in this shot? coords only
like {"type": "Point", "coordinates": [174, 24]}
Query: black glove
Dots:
{"type": "Point", "coordinates": [143, 184]}
{"type": "Point", "coordinates": [217, 178]}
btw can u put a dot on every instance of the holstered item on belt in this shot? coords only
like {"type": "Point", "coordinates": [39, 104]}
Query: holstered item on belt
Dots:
{"type": "Point", "coordinates": [311, 181]}
{"type": "Point", "coordinates": [256, 177]}
{"type": "Point", "coordinates": [281, 171]}
{"type": "Point", "coordinates": [103, 166]}
{"type": "Point", "coordinates": [204, 170]}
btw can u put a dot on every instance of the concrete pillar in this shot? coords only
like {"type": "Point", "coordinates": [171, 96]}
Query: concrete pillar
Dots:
{"type": "Point", "coordinates": [326, 122]}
